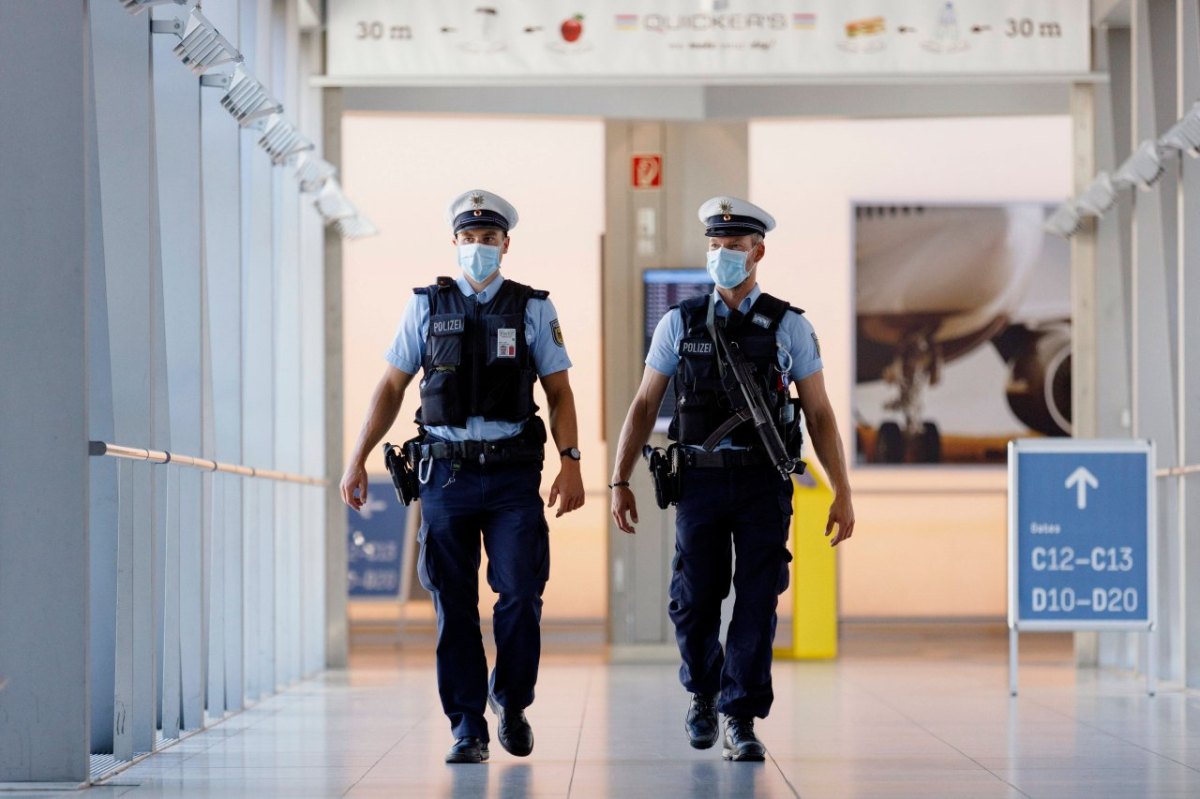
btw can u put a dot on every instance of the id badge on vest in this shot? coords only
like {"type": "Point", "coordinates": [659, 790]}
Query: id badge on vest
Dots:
{"type": "Point", "coordinates": [506, 342]}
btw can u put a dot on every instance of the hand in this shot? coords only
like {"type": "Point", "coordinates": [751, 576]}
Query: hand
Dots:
{"type": "Point", "coordinates": [354, 486]}
{"type": "Point", "coordinates": [624, 501]}
{"type": "Point", "coordinates": [568, 487]}
{"type": "Point", "coordinates": [841, 513]}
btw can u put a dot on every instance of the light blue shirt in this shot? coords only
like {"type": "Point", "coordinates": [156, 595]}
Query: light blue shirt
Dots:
{"type": "Point", "coordinates": [408, 352]}
{"type": "Point", "coordinates": [795, 338]}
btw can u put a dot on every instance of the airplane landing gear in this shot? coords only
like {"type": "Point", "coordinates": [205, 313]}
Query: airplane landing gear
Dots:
{"type": "Point", "coordinates": [893, 446]}
{"type": "Point", "coordinates": [889, 444]}
{"type": "Point", "coordinates": [918, 364]}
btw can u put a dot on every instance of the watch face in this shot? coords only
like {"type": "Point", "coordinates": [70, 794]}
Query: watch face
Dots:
{"type": "Point", "coordinates": [571, 452]}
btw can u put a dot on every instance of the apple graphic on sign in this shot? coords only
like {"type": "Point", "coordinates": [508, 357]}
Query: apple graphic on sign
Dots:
{"type": "Point", "coordinates": [572, 28]}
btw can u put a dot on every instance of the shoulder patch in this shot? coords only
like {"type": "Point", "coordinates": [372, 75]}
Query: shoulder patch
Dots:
{"type": "Point", "coordinates": [556, 329]}
{"type": "Point", "coordinates": [816, 343]}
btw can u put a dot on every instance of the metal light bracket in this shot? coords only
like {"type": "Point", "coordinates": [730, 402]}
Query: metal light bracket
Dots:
{"type": "Point", "coordinates": [1098, 197]}
{"type": "Point", "coordinates": [202, 47]}
{"type": "Point", "coordinates": [313, 171]}
{"type": "Point", "coordinates": [281, 140]}
{"type": "Point", "coordinates": [135, 7]}
{"type": "Point", "coordinates": [247, 100]}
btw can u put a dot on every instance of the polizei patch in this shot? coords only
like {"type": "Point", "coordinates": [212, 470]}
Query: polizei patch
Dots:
{"type": "Point", "coordinates": [760, 320]}
{"type": "Point", "coordinates": [696, 348]}
{"type": "Point", "coordinates": [443, 326]}
{"type": "Point", "coordinates": [506, 342]}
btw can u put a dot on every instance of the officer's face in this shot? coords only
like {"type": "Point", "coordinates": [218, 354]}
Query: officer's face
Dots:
{"type": "Point", "coordinates": [750, 244]}
{"type": "Point", "coordinates": [491, 236]}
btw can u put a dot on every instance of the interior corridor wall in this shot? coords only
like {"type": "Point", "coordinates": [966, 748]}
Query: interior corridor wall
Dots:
{"type": "Point", "coordinates": [402, 171]}
{"type": "Point", "coordinates": [929, 541]}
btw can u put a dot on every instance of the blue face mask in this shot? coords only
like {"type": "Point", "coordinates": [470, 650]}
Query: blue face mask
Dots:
{"type": "Point", "coordinates": [727, 268]}
{"type": "Point", "coordinates": [479, 261]}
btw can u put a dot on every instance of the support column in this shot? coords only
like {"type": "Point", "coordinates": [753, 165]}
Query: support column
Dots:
{"type": "Point", "coordinates": [652, 228]}
{"type": "Point", "coordinates": [44, 144]}
{"type": "Point", "coordinates": [1189, 354]}
{"type": "Point", "coordinates": [1114, 140]}
{"type": "Point", "coordinates": [1083, 303]}
{"type": "Point", "coordinates": [336, 625]}
{"type": "Point", "coordinates": [1156, 226]}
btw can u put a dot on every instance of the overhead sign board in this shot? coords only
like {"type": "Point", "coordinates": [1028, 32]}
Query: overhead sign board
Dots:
{"type": "Point", "coordinates": [1081, 548]}
{"type": "Point", "coordinates": [490, 40]}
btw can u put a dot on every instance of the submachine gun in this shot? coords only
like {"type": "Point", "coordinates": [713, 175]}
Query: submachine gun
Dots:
{"type": "Point", "coordinates": [755, 408]}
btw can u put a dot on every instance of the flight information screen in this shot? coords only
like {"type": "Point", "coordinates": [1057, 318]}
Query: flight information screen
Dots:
{"type": "Point", "coordinates": [663, 288]}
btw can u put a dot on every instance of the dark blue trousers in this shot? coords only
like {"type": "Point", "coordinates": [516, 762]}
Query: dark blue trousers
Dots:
{"type": "Point", "coordinates": [502, 503]}
{"type": "Point", "coordinates": [746, 511]}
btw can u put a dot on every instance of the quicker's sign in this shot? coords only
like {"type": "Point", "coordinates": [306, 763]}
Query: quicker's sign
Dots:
{"type": "Point", "coordinates": [412, 41]}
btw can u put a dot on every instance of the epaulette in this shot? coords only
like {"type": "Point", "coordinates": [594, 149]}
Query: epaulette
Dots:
{"type": "Point", "coordinates": [538, 294]}
{"type": "Point", "coordinates": [442, 283]}
{"type": "Point", "coordinates": [773, 307]}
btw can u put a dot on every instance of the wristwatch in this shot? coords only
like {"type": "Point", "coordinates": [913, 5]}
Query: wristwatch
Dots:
{"type": "Point", "coordinates": [570, 452]}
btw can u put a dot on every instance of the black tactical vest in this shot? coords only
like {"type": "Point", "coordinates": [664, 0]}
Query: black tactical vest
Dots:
{"type": "Point", "coordinates": [704, 400]}
{"type": "Point", "coordinates": [477, 362]}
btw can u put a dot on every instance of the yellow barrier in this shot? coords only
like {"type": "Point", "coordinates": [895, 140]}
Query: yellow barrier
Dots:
{"type": "Point", "coordinates": [814, 573]}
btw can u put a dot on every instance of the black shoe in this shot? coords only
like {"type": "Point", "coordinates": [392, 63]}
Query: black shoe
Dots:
{"type": "Point", "coordinates": [467, 750]}
{"type": "Point", "coordinates": [740, 741]}
{"type": "Point", "coordinates": [701, 722]}
{"type": "Point", "coordinates": [515, 734]}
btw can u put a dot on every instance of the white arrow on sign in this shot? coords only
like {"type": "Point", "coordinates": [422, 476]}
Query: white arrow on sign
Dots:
{"type": "Point", "coordinates": [1081, 479]}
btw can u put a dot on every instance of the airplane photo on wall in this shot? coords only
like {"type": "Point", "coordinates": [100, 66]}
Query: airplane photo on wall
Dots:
{"type": "Point", "coordinates": [962, 330]}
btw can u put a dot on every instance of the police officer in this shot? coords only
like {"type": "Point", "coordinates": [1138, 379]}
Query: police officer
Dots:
{"type": "Point", "coordinates": [733, 491]}
{"type": "Point", "coordinates": [481, 340]}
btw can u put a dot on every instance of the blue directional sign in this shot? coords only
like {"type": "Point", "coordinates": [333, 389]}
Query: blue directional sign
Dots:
{"type": "Point", "coordinates": [375, 548]}
{"type": "Point", "coordinates": [1081, 553]}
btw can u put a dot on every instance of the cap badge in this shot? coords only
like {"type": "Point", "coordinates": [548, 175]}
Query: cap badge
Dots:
{"type": "Point", "coordinates": [477, 200]}
{"type": "Point", "coordinates": [726, 209]}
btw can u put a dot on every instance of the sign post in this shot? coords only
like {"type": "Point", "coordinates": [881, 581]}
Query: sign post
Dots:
{"type": "Point", "coordinates": [1081, 550]}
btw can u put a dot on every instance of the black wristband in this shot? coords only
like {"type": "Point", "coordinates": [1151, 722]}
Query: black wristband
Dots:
{"type": "Point", "coordinates": [622, 484]}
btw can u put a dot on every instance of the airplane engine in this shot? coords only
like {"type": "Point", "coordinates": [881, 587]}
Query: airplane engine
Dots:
{"type": "Point", "coordinates": [1039, 384]}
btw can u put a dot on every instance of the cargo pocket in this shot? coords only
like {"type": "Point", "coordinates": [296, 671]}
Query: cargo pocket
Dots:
{"type": "Point", "coordinates": [523, 405]}
{"type": "Point", "coordinates": [675, 588]}
{"type": "Point", "coordinates": [544, 544]}
{"type": "Point", "coordinates": [439, 397]}
{"type": "Point", "coordinates": [445, 339]}
{"type": "Point", "coordinates": [696, 421]}
{"type": "Point", "coordinates": [785, 499]}
{"type": "Point", "coordinates": [785, 573]}
{"type": "Point", "coordinates": [426, 567]}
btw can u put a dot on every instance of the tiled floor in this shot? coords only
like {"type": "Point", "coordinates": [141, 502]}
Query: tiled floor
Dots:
{"type": "Point", "coordinates": [901, 714]}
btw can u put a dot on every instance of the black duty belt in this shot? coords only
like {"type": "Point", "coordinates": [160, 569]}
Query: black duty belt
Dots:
{"type": "Point", "coordinates": [723, 458]}
{"type": "Point", "coordinates": [482, 451]}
